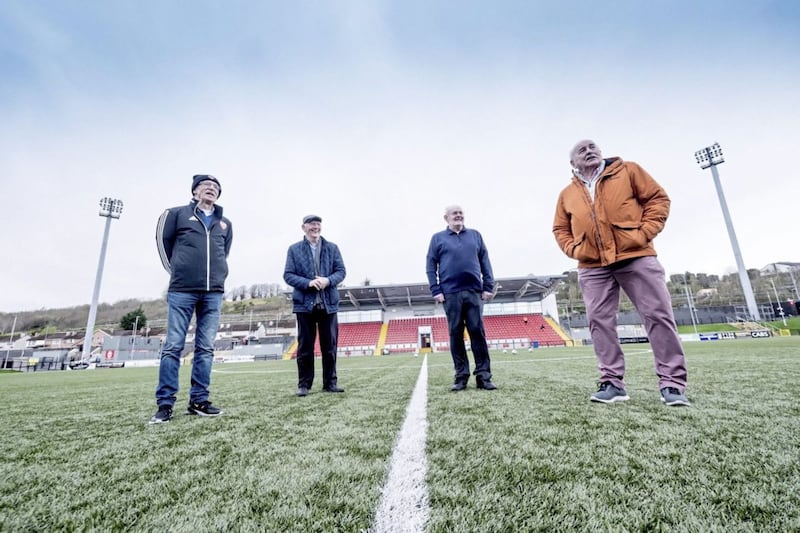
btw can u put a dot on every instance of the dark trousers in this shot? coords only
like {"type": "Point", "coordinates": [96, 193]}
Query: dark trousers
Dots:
{"type": "Point", "coordinates": [307, 326]}
{"type": "Point", "coordinates": [465, 309]}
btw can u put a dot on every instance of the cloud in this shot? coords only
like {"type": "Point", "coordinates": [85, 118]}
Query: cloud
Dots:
{"type": "Point", "coordinates": [376, 124]}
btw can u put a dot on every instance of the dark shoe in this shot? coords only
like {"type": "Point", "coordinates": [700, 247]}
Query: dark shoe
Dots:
{"type": "Point", "coordinates": [673, 397]}
{"type": "Point", "coordinates": [608, 393]}
{"type": "Point", "coordinates": [163, 415]}
{"type": "Point", "coordinates": [333, 388]}
{"type": "Point", "coordinates": [458, 386]}
{"type": "Point", "coordinates": [302, 391]}
{"type": "Point", "coordinates": [203, 409]}
{"type": "Point", "coordinates": [486, 384]}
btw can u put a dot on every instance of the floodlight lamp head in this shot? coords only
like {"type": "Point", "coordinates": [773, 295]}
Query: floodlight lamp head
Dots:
{"type": "Point", "coordinates": [709, 156]}
{"type": "Point", "coordinates": [116, 208]}
{"type": "Point", "coordinates": [105, 207]}
{"type": "Point", "coordinates": [109, 207]}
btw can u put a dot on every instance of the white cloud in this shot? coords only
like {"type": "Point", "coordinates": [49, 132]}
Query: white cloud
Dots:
{"type": "Point", "coordinates": [377, 144]}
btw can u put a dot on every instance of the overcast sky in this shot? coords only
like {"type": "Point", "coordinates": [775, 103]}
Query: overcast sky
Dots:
{"type": "Point", "coordinates": [376, 115]}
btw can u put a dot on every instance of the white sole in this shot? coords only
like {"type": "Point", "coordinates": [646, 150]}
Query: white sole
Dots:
{"type": "Point", "coordinates": [677, 403]}
{"type": "Point", "coordinates": [612, 400]}
{"type": "Point", "coordinates": [199, 413]}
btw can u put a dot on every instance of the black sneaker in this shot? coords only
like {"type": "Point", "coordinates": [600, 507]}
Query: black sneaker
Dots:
{"type": "Point", "coordinates": [163, 415]}
{"type": "Point", "coordinates": [672, 396]}
{"type": "Point", "coordinates": [486, 384]}
{"type": "Point", "coordinates": [608, 393]}
{"type": "Point", "coordinates": [203, 409]}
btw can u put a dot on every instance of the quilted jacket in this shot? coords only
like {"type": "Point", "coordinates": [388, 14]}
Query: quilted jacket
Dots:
{"type": "Point", "coordinates": [299, 272]}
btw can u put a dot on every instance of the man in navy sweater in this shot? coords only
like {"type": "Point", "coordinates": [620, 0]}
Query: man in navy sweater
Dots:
{"type": "Point", "coordinates": [460, 277]}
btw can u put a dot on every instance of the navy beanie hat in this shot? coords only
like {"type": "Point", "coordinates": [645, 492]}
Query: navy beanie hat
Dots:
{"type": "Point", "coordinates": [197, 178]}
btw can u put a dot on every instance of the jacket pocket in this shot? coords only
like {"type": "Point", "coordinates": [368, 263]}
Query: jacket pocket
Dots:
{"type": "Point", "coordinates": [629, 239]}
{"type": "Point", "coordinates": [577, 242]}
{"type": "Point", "coordinates": [584, 250]}
{"type": "Point", "coordinates": [298, 298]}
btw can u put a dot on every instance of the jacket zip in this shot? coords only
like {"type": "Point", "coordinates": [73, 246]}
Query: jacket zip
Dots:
{"type": "Point", "coordinates": [208, 248]}
{"type": "Point", "coordinates": [598, 241]}
{"type": "Point", "coordinates": [208, 259]}
{"type": "Point", "coordinates": [314, 268]}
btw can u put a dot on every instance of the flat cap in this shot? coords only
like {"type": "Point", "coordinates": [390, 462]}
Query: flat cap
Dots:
{"type": "Point", "coordinates": [311, 218]}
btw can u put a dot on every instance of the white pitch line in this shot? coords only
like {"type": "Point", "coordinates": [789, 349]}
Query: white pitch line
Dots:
{"type": "Point", "coordinates": [404, 505]}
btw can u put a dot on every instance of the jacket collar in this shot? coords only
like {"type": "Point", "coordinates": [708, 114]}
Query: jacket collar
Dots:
{"type": "Point", "coordinates": [217, 208]}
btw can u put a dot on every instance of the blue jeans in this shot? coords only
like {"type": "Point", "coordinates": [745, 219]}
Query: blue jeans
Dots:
{"type": "Point", "coordinates": [180, 308]}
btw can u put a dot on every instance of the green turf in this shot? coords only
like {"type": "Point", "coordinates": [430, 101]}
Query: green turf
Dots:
{"type": "Point", "coordinates": [78, 455]}
{"type": "Point", "coordinates": [707, 328]}
{"type": "Point", "coordinates": [792, 323]}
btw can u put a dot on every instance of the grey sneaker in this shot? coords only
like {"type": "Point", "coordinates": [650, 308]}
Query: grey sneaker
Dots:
{"type": "Point", "coordinates": [203, 409]}
{"type": "Point", "coordinates": [163, 415]}
{"type": "Point", "coordinates": [608, 393]}
{"type": "Point", "coordinates": [672, 396]}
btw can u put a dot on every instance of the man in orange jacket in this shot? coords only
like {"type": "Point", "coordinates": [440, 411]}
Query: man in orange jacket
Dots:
{"type": "Point", "coordinates": [606, 219]}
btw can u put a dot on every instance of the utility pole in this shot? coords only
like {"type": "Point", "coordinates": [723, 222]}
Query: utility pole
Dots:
{"type": "Point", "coordinates": [689, 301]}
{"type": "Point", "coordinates": [778, 302]}
{"type": "Point", "coordinates": [794, 284]}
{"type": "Point", "coordinates": [10, 342]}
{"type": "Point", "coordinates": [135, 327]}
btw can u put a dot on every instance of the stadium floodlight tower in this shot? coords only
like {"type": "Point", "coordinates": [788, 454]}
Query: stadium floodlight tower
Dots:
{"type": "Point", "coordinates": [710, 157]}
{"type": "Point", "coordinates": [109, 208]}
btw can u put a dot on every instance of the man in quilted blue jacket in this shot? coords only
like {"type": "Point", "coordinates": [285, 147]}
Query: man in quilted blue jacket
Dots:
{"type": "Point", "coordinates": [314, 268]}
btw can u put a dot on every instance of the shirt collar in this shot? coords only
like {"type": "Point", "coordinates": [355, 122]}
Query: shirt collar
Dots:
{"type": "Point", "coordinates": [595, 175]}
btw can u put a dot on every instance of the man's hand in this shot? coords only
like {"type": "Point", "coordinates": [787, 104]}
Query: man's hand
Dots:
{"type": "Point", "coordinates": [319, 283]}
{"type": "Point", "coordinates": [486, 296]}
{"type": "Point", "coordinates": [439, 298]}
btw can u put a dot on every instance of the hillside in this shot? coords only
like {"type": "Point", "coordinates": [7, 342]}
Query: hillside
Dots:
{"type": "Point", "coordinates": [109, 315]}
{"type": "Point", "coordinates": [706, 290]}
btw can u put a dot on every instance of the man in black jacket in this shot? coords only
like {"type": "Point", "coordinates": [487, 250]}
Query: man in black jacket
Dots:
{"type": "Point", "coordinates": [314, 268]}
{"type": "Point", "coordinates": [193, 241]}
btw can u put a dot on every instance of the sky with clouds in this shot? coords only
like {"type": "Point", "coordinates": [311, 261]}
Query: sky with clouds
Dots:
{"type": "Point", "coordinates": [376, 115]}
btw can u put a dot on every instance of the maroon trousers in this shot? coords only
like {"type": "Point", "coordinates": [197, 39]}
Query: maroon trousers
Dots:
{"type": "Point", "coordinates": [642, 279]}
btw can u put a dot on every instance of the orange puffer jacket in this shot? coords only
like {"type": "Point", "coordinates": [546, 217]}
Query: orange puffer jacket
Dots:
{"type": "Point", "coordinates": [630, 208]}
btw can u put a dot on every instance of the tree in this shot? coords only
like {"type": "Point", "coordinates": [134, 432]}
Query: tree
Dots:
{"type": "Point", "coordinates": [129, 320]}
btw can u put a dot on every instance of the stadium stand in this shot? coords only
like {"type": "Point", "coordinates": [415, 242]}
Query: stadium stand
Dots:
{"type": "Point", "coordinates": [355, 338]}
{"type": "Point", "coordinates": [533, 328]}
{"type": "Point", "coordinates": [401, 330]}
{"type": "Point", "coordinates": [403, 333]}
{"type": "Point", "coordinates": [502, 331]}
{"type": "Point", "coordinates": [358, 338]}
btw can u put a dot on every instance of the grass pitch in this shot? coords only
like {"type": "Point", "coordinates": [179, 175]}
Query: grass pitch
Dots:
{"type": "Point", "coordinates": [77, 454]}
